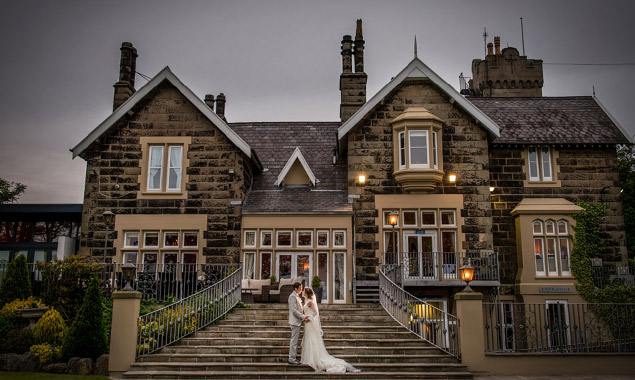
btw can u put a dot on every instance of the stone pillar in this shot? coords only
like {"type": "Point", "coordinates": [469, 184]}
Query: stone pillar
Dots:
{"type": "Point", "coordinates": [469, 310]}
{"type": "Point", "coordinates": [123, 339]}
{"type": "Point", "coordinates": [124, 88]}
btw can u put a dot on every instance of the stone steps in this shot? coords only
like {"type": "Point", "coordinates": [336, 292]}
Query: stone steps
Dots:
{"type": "Point", "coordinates": [253, 343]}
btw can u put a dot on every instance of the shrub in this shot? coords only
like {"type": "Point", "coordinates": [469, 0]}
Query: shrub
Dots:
{"type": "Point", "coordinates": [13, 306]}
{"type": "Point", "coordinates": [46, 352]}
{"type": "Point", "coordinates": [182, 318]}
{"type": "Point", "coordinates": [17, 281]}
{"type": "Point", "coordinates": [18, 341]}
{"type": "Point", "coordinates": [272, 278]}
{"type": "Point", "coordinates": [315, 283]}
{"type": "Point", "coordinates": [86, 336]}
{"type": "Point", "coordinates": [65, 283]}
{"type": "Point", "coordinates": [10, 323]}
{"type": "Point", "coordinates": [50, 328]}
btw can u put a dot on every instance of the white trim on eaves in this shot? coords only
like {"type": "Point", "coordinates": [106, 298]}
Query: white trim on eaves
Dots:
{"type": "Point", "coordinates": [165, 74]}
{"type": "Point", "coordinates": [297, 155]}
{"type": "Point", "coordinates": [417, 69]}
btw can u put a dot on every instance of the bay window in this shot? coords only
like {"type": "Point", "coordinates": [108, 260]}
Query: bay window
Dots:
{"type": "Point", "coordinates": [551, 248]}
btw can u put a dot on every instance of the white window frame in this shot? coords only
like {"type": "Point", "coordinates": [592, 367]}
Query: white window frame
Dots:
{"type": "Point", "coordinates": [125, 239]}
{"type": "Point", "coordinates": [255, 233]}
{"type": "Point", "coordinates": [532, 177]}
{"type": "Point", "coordinates": [150, 167]}
{"type": "Point", "coordinates": [262, 238]}
{"type": "Point", "coordinates": [317, 238]}
{"type": "Point", "coordinates": [145, 233]}
{"type": "Point", "coordinates": [270, 253]}
{"type": "Point", "coordinates": [143, 261]}
{"type": "Point", "coordinates": [454, 233]}
{"type": "Point", "coordinates": [559, 253]}
{"type": "Point", "coordinates": [163, 254]}
{"type": "Point", "coordinates": [541, 227]}
{"type": "Point", "coordinates": [253, 254]}
{"type": "Point", "coordinates": [190, 232]}
{"type": "Point", "coordinates": [396, 234]}
{"type": "Point", "coordinates": [290, 238]}
{"type": "Point", "coordinates": [550, 223]}
{"type": "Point", "coordinates": [453, 212]}
{"type": "Point", "coordinates": [567, 322]}
{"type": "Point", "coordinates": [334, 240]}
{"type": "Point", "coordinates": [165, 235]}
{"type": "Point", "coordinates": [425, 165]}
{"type": "Point", "coordinates": [168, 167]}
{"type": "Point", "coordinates": [541, 161]}
{"type": "Point", "coordinates": [434, 212]}
{"type": "Point", "coordinates": [386, 216]}
{"type": "Point", "coordinates": [345, 277]}
{"type": "Point", "coordinates": [435, 158]}
{"type": "Point", "coordinates": [403, 218]}
{"type": "Point", "coordinates": [189, 253]}
{"type": "Point", "coordinates": [125, 256]}
{"type": "Point", "coordinates": [328, 274]}
{"type": "Point", "coordinates": [543, 254]}
{"type": "Point", "coordinates": [566, 227]}
{"type": "Point", "coordinates": [556, 257]}
{"type": "Point", "coordinates": [544, 163]}
{"type": "Point", "coordinates": [297, 239]}
{"type": "Point", "coordinates": [402, 150]}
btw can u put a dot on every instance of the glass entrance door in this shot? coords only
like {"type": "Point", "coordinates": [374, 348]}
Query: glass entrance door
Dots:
{"type": "Point", "coordinates": [421, 255]}
{"type": "Point", "coordinates": [291, 265]}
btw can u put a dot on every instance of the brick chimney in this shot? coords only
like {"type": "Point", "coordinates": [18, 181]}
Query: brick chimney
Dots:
{"type": "Point", "coordinates": [490, 48]}
{"type": "Point", "coordinates": [352, 84]}
{"type": "Point", "coordinates": [220, 106]}
{"type": "Point", "coordinates": [497, 45]}
{"type": "Point", "coordinates": [124, 88]}
{"type": "Point", "coordinates": [209, 100]}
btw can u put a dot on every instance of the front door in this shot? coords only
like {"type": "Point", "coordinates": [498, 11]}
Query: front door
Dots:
{"type": "Point", "coordinates": [421, 255]}
{"type": "Point", "coordinates": [296, 264]}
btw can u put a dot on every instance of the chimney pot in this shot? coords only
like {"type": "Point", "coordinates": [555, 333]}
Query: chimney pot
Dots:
{"type": "Point", "coordinates": [497, 45]}
{"type": "Point", "coordinates": [490, 48]}
{"type": "Point", "coordinates": [347, 54]}
{"type": "Point", "coordinates": [124, 88]}
{"type": "Point", "coordinates": [209, 100]}
{"type": "Point", "coordinates": [359, 48]}
{"type": "Point", "coordinates": [220, 106]}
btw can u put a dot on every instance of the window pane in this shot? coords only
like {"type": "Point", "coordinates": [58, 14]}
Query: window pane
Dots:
{"type": "Point", "coordinates": [549, 227]}
{"type": "Point", "coordinates": [402, 149]}
{"type": "Point", "coordinates": [409, 218]}
{"type": "Point", "coordinates": [323, 267]}
{"type": "Point", "coordinates": [155, 168]}
{"type": "Point", "coordinates": [418, 148]}
{"type": "Point", "coordinates": [190, 239]}
{"type": "Point", "coordinates": [434, 149]}
{"type": "Point", "coordinates": [305, 239]}
{"type": "Point", "coordinates": [546, 164]}
{"type": "Point", "coordinates": [150, 261]}
{"type": "Point", "coordinates": [151, 239]}
{"type": "Point", "coordinates": [174, 174]}
{"type": "Point", "coordinates": [130, 258]}
{"type": "Point", "coordinates": [323, 238]}
{"type": "Point", "coordinates": [4, 257]}
{"type": "Point", "coordinates": [387, 217]}
{"type": "Point", "coordinates": [250, 238]}
{"type": "Point", "coordinates": [540, 263]}
{"type": "Point", "coordinates": [132, 239]}
{"type": "Point", "coordinates": [428, 218]}
{"type": "Point", "coordinates": [171, 239]}
{"type": "Point", "coordinates": [170, 259]}
{"type": "Point", "coordinates": [551, 256]}
{"type": "Point", "coordinates": [303, 268]}
{"type": "Point", "coordinates": [533, 164]}
{"type": "Point", "coordinates": [284, 239]}
{"type": "Point", "coordinates": [537, 227]}
{"type": "Point", "coordinates": [24, 233]}
{"type": "Point", "coordinates": [285, 266]}
{"type": "Point", "coordinates": [249, 265]}
{"type": "Point", "coordinates": [339, 239]}
{"type": "Point", "coordinates": [6, 232]}
{"type": "Point", "coordinates": [265, 265]}
{"type": "Point", "coordinates": [564, 256]}
{"type": "Point", "coordinates": [60, 229]}
{"type": "Point", "coordinates": [154, 182]}
{"type": "Point", "coordinates": [265, 239]}
{"type": "Point", "coordinates": [391, 250]}
{"type": "Point", "coordinates": [339, 277]}
{"type": "Point", "coordinates": [41, 232]}
{"type": "Point", "coordinates": [447, 218]}
{"type": "Point", "coordinates": [189, 262]}
{"type": "Point", "coordinates": [448, 241]}
{"type": "Point", "coordinates": [562, 227]}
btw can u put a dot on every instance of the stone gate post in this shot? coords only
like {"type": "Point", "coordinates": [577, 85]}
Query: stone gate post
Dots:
{"type": "Point", "coordinates": [469, 310]}
{"type": "Point", "coordinates": [123, 337]}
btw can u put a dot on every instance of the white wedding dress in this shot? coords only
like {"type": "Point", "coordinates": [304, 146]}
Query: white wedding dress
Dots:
{"type": "Point", "coordinates": [314, 352]}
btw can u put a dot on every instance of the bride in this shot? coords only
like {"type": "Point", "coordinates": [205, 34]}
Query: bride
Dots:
{"type": "Point", "coordinates": [314, 352]}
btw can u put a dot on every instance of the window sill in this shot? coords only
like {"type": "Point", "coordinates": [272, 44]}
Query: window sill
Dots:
{"type": "Point", "coordinates": [527, 183]}
{"type": "Point", "coordinates": [162, 195]}
{"type": "Point", "coordinates": [564, 277]}
{"type": "Point", "coordinates": [418, 180]}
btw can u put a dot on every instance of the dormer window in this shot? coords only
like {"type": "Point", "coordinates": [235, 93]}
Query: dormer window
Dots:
{"type": "Point", "coordinates": [296, 171]}
{"type": "Point", "coordinates": [417, 133]}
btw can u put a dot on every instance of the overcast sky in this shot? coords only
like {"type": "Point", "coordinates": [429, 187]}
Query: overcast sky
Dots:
{"type": "Point", "coordinates": [274, 60]}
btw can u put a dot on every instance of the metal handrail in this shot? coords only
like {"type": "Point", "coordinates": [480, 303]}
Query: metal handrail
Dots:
{"type": "Point", "coordinates": [434, 325]}
{"type": "Point", "coordinates": [444, 266]}
{"type": "Point", "coordinates": [167, 325]}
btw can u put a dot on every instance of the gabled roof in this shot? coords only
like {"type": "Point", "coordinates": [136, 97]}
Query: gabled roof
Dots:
{"type": "Point", "coordinates": [553, 120]}
{"type": "Point", "coordinates": [165, 74]}
{"type": "Point", "coordinates": [297, 155]}
{"type": "Point", "coordinates": [417, 69]}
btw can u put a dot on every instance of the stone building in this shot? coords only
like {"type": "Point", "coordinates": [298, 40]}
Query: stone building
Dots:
{"type": "Point", "coordinates": [491, 179]}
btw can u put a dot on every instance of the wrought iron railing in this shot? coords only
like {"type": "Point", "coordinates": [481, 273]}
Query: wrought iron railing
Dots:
{"type": "Point", "coordinates": [610, 274]}
{"type": "Point", "coordinates": [182, 318]}
{"type": "Point", "coordinates": [559, 327]}
{"type": "Point", "coordinates": [444, 266]}
{"type": "Point", "coordinates": [434, 325]}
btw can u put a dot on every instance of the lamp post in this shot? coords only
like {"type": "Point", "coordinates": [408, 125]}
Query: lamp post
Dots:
{"type": "Point", "coordinates": [129, 270]}
{"type": "Point", "coordinates": [467, 275]}
{"type": "Point", "coordinates": [109, 218]}
{"type": "Point", "coordinates": [393, 219]}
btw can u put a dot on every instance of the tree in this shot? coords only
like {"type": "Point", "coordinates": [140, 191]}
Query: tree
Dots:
{"type": "Point", "coordinates": [17, 282]}
{"type": "Point", "coordinates": [10, 191]}
{"type": "Point", "coordinates": [626, 167]}
{"type": "Point", "coordinates": [86, 337]}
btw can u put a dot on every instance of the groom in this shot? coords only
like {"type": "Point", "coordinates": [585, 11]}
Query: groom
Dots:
{"type": "Point", "coordinates": [296, 317]}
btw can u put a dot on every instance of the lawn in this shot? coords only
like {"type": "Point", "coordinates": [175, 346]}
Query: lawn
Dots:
{"type": "Point", "coordinates": [45, 376]}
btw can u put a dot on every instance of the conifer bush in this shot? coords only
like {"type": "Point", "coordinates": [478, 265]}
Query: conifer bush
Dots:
{"type": "Point", "coordinates": [17, 281]}
{"type": "Point", "coordinates": [86, 337]}
{"type": "Point", "coordinates": [50, 328]}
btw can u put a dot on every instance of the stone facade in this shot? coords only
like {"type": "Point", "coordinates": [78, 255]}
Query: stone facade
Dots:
{"type": "Point", "coordinates": [465, 153]}
{"type": "Point", "coordinates": [116, 160]}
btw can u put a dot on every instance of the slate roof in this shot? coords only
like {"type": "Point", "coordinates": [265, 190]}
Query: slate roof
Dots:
{"type": "Point", "coordinates": [551, 120]}
{"type": "Point", "coordinates": [274, 143]}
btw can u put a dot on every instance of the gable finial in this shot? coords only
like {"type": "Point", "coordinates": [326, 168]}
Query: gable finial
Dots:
{"type": "Point", "coordinates": [415, 46]}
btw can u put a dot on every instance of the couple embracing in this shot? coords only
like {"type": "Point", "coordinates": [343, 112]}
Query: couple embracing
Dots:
{"type": "Point", "coordinates": [314, 352]}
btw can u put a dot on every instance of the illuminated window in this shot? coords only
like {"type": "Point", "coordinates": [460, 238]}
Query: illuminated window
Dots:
{"type": "Point", "coordinates": [552, 248]}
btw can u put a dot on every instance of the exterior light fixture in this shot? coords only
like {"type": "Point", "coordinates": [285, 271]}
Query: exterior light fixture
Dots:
{"type": "Point", "coordinates": [393, 218]}
{"type": "Point", "coordinates": [467, 275]}
{"type": "Point", "coordinates": [452, 178]}
{"type": "Point", "coordinates": [491, 189]}
{"type": "Point", "coordinates": [129, 271]}
{"type": "Point", "coordinates": [361, 179]}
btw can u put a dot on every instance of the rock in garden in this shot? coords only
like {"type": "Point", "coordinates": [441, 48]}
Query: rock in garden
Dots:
{"type": "Point", "coordinates": [85, 366]}
{"type": "Point", "coordinates": [28, 363]}
{"type": "Point", "coordinates": [71, 366]}
{"type": "Point", "coordinates": [101, 366]}
{"type": "Point", "coordinates": [54, 368]}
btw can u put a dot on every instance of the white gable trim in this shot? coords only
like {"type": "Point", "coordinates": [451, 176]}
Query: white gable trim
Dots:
{"type": "Point", "coordinates": [297, 155]}
{"type": "Point", "coordinates": [418, 69]}
{"type": "Point", "coordinates": [614, 120]}
{"type": "Point", "coordinates": [165, 74]}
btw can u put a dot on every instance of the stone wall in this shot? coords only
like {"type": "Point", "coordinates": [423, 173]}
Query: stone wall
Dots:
{"type": "Point", "coordinates": [465, 153]}
{"type": "Point", "coordinates": [116, 158]}
{"type": "Point", "coordinates": [586, 174]}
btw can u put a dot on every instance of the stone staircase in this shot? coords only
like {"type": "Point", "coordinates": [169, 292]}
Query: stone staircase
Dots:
{"type": "Point", "coordinates": [253, 343]}
{"type": "Point", "coordinates": [367, 291]}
